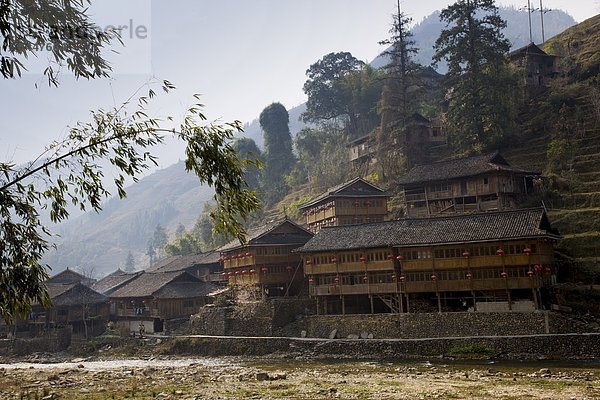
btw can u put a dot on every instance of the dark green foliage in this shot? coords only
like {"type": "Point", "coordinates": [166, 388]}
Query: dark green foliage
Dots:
{"type": "Point", "coordinates": [479, 83]}
{"type": "Point", "coordinates": [327, 96]}
{"type": "Point", "coordinates": [159, 238]}
{"type": "Point", "coordinates": [68, 172]}
{"type": "Point", "coordinates": [278, 156]}
{"type": "Point", "coordinates": [61, 27]}
{"type": "Point", "coordinates": [247, 148]}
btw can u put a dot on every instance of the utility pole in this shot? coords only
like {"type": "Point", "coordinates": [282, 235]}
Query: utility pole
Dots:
{"type": "Point", "coordinates": [529, 16]}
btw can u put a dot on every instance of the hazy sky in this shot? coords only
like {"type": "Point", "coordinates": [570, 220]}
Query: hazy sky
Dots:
{"type": "Point", "coordinates": [240, 55]}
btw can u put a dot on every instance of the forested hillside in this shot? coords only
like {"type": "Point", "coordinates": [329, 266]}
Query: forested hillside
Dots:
{"type": "Point", "coordinates": [554, 131]}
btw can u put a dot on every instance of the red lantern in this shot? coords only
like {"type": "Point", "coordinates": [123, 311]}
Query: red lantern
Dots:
{"type": "Point", "coordinates": [245, 272]}
{"type": "Point", "coordinates": [308, 261]}
{"type": "Point", "coordinates": [500, 252]}
{"type": "Point", "coordinates": [356, 203]}
{"type": "Point", "coordinates": [237, 272]}
{"type": "Point", "coordinates": [390, 257]}
{"type": "Point", "coordinates": [362, 258]}
{"type": "Point", "coordinates": [503, 274]}
{"type": "Point", "coordinates": [466, 254]}
{"type": "Point", "coordinates": [366, 278]}
{"type": "Point", "coordinates": [530, 273]}
{"type": "Point", "coordinates": [132, 301]}
{"type": "Point", "coordinates": [333, 260]}
{"type": "Point", "coordinates": [527, 250]}
{"type": "Point", "coordinates": [547, 270]}
{"type": "Point", "coordinates": [143, 301]}
{"type": "Point", "coordinates": [289, 268]}
{"type": "Point", "coordinates": [402, 278]}
{"type": "Point", "coordinates": [248, 254]}
{"type": "Point", "coordinates": [469, 275]}
{"type": "Point", "coordinates": [434, 277]}
{"type": "Point", "coordinates": [393, 277]}
{"type": "Point", "coordinates": [224, 274]}
{"type": "Point", "coordinates": [400, 257]}
{"type": "Point", "coordinates": [264, 270]}
{"type": "Point", "coordinates": [252, 271]}
{"type": "Point", "coordinates": [310, 279]}
{"type": "Point", "coordinates": [537, 268]}
{"type": "Point", "coordinates": [336, 280]}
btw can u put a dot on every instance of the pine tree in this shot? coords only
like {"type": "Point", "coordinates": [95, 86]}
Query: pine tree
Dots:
{"type": "Point", "coordinates": [399, 96]}
{"type": "Point", "coordinates": [129, 263]}
{"type": "Point", "coordinates": [478, 80]}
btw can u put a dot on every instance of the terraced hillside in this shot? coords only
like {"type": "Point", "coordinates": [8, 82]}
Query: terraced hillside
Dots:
{"type": "Point", "coordinates": [574, 198]}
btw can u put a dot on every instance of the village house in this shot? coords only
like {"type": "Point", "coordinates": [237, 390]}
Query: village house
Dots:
{"type": "Point", "coordinates": [74, 304]}
{"type": "Point", "coordinates": [354, 202]}
{"type": "Point", "coordinates": [114, 281]}
{"type": "Point", "coordinates": [204, 266]}
{"type": "Point", "coordinates": [266, 262]}
{"type": "Point", "coordinates": [421, 134]}
{"type": "Point", "coordinates": [152, 298]}
{"type": "Point", "coordinates": [479, 183]}
{"type": "Point", "coordinates": [538, 66]}
{"type": "Point", "coordinates": [495, 261]}
{"type": "Point", "coordinates": [70, 276]}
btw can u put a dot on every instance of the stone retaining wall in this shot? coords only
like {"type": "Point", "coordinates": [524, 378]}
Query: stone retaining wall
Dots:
{"type": "Point", "coordinates": [564, 346]}
{"type": "Point", "coordinates": [432, 325]}
{"type": "Point", "coordinates": [54, 341]}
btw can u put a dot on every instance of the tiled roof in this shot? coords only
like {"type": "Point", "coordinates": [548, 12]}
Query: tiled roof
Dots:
{"type": "Point", "coordinates": [149, 283]}
{"type": "Point", "coordinates": [264, 235]}
{"type": "Point", "coordinates": [531, 48]}
{"type": "Point", "coordinates": [345, 189]}
{"type": "Point", "coordinates": [458, 168]}
{"type": "Point", "coordinates": [112, 282]}
{"type": "Point", "coordinates": [491, 226]}
{"type": "Point", "coordinates": [182, 290]}
{"type": "Point", "coordinates": [180, 263]}
{"type": "Point", "coordinates": [70, 294]}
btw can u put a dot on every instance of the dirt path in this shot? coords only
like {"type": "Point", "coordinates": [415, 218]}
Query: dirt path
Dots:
{"type": "Point", "coordinates": [233, 378]}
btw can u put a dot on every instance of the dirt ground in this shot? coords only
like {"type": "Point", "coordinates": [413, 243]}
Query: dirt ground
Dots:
{"type": "Point", "coordinates": [234, 378]}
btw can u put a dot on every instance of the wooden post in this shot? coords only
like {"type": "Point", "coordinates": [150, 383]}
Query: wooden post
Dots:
{"type": "Point", "coordinates": [343, 305]}
{"type": "Point", "coordinates": [372, 306]}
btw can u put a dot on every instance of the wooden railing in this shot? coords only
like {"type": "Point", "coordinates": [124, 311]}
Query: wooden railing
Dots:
{"type": "Point", "coordinates": [463, 285]}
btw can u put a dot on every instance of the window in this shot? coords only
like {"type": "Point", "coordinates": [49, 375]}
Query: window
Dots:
{"type": "Point", "coordinates": [440, 187]}
{"type": "Point", "coordinates": [485, 181]}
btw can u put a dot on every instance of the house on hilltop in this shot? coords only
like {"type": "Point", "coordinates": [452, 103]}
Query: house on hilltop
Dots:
{"type": "Point", "coordinates": [266, 261]}
{"type": "Point", "coordinates": [478, 183]}
{"type": "Point", "coordinates": [420, 135]}
{"type": "Point", "coordinates": [151, 298]}
{"type": "Point", "coordinates": [538, 66]}
{"type": "Point", "coordinates": [354, 202]}
{"type": "Point", "coordinates": [496, 261]}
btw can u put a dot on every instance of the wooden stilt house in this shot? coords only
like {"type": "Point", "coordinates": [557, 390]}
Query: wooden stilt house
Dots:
{"type": "Point", "coordinates": [484, 261]}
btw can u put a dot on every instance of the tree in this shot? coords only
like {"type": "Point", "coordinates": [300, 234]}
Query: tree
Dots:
{"type": "Point", "coordinates": [185, 244]}
{"type": "Point", "coordinates": [129, 263]}
{"type": "Point", "coordinates": [69, 172]}
{"type": "Point", "coordinates": [279, 159]}
{"type": "Point", "coordinates": [478, 79]}
{"type": "Point", "coordinates": [180, 230]}
{"type": "Point", "coordinates": [159, 239]}
{"type": "Point", "coordinates": [247, 148]}
{"type": "Point", "coordinates": [399, 97]}
{"type": "Point", "coordinates": [327, 96]}
{"type": "Point", "coordinates": [150, 252]}
{"type": "Point", "coordinates": [62, 28]}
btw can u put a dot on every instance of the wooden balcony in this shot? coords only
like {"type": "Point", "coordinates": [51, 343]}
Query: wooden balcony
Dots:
{"type": "Point", "coordinates": [475, 262]}
{"type": "Point", "coordinates": [361, 210]}
{"type": "Point", "coordinates": [461, 285]}
{"type": "Point", "coordinates": [254, 260]}
{"type": "Point", "coordinates": [341, 268]}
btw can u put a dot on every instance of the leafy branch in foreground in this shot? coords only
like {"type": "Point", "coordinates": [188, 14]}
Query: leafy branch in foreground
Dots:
{"type": "Point", "coordinates": [69, 172]}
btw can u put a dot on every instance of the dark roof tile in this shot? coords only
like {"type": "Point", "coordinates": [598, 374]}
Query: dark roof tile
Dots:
{"type": "Point", "coordinates": [459, 168]}
{"type": "Point", "coordinates": [491, 226]}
